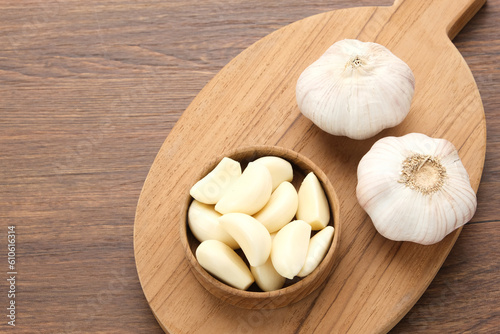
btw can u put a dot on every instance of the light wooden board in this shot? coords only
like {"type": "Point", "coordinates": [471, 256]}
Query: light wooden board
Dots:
{"type": "Point", "coordinates": [251, 101]}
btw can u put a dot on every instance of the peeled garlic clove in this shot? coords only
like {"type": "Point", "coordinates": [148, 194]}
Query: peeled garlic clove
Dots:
{"type": "Point", "coordinates": [415, 188]}
{"type": "Point", "coordinates": [252, 236]}
{"type": "Point", "coordinates": [356, 89]}
{"type": "Point", "coordinates": [203, 221]}
{"type": "Point", "coordinates": [221, 261]}
{"type": "Point", "coordinates": [280, 209]}
{"type": "Point", "coordinates": [289, 250]}
{"type": "Point", "coordinates": [318, 246]}
{"type": "Point", "coordinates": [249, 193]}
{"type": "Point", "coordinates": [313, 206]}
{"type": "Point", "coordinates": [280, 169]}
{"type": "Point", "coordinates": [212, 187]}
{"type": "Point", "coordinates": [266, 277]}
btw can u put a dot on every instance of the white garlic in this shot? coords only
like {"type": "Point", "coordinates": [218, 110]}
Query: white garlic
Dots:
{"type": "Point", "coordinates": [415, 188]}
{"type": "Point", "coordinates": [249, 193]}
{"type": "Point", "coordinates": [266, 277]}
{"type": "Point", "coordinates": [356, 89]}
{"type": "Point", "coordinates": [213, 186]}
{"type": "Point", "coordinates": [313, 205]}
{"type": "Point", "coordinates": [289, 249]}
{"type": "Point", "coordinates": [280, 169]}
{"type": "Point", "coordinates": [221, 261]}
{"type": "Point", "coordinates": [251, 236]}
{"type": "Point", "coordinates": [280, 209]}
{"type": "Point", "coordinates": [318, 247]}
{"type": "Point", "coordinates": [203, 221]}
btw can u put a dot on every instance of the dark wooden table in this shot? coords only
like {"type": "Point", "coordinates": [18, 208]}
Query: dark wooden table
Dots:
{"type": "Point", "coordinates": [89, 90]}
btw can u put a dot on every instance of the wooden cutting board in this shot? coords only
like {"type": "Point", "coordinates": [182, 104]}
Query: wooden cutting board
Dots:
{"type": "Point", "coordinates": [251, 101]}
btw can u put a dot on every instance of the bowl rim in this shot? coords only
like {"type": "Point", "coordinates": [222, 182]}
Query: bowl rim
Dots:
{"type": "Point", "coordinates": [299, 161]}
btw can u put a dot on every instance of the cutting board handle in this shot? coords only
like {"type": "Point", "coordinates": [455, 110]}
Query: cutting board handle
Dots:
{"type": "Point", "coordinates": [450, 15]}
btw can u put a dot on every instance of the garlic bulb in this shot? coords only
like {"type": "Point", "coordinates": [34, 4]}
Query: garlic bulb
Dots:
{"type": "Point", "coordinates": [415, 188]}
{"type": "Point", "coordinates": [356, 89]}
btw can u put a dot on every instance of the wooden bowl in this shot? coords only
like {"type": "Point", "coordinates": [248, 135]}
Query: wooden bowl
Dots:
{"type": "Point", "coordinates": [294, 290]}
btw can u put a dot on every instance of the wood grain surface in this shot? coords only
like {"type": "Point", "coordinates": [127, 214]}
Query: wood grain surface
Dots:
{"type": "Point", "coordinates": [251, 101]}
{"type": "Point", "coordinates": [88, 93]}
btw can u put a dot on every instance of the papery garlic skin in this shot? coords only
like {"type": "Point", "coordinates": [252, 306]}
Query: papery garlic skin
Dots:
{"type": "Point", "coordinates": [356, 89]}
{"type": "Point", "coordinates": [421, 206]}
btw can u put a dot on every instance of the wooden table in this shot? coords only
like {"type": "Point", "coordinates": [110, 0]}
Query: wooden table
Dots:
{"type": "Point", "coordinates": [88, 93]}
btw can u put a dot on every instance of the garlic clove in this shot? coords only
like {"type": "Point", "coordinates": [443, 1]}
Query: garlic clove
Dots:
{"type": "Point", "coordinates": [289, 249]}
{"type": "Point", "coordinates": [252, 236]}
{"type": "Point", "coordinates": [280, 169]}
{"type": "Point", "coordinates": [203, 221]}
{"type": "Point", "coordinates": [249, 193]}
{"type": "Point", "coordinates": [318, 246]}
{"type": "Point", "coordinates": [313, 206]}
{"type": "Point", "coordinates": [221, 261]}
{"type": "Point", "coordinates": [211, 188]}
{"type": "Point", "coordinates": [280, 209]}
{"type": "Point", "coordinates": [415, 188]}
{"type": "Point", "coordinates": [356, 89]}
{"type": "Point", "coordinates": [266, 277]}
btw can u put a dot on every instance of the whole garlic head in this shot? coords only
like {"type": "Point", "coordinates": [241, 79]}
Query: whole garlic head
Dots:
{"type": "Point", "coordinates": [415, 188]}
{"type": "Point", "coordinates": [356, 89]}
